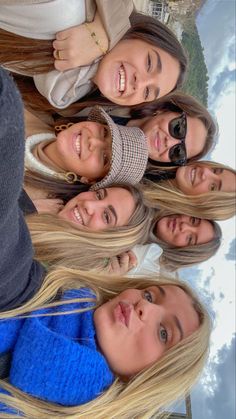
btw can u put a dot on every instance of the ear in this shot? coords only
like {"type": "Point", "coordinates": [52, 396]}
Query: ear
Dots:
{"type": "Point", "coordinates": [87, 181]}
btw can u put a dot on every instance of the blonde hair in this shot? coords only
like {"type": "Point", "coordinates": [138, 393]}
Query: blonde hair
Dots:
{"type": "Point", "coordinates": [174, 258]}
{"type": "Point", "coordinates": [150, 391]}
{"type": "Point", "coordinates": [58, 242]}
{"type": "Point", "coordinates": [212, 205]}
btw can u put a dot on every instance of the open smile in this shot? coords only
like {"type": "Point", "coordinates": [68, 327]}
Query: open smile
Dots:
{"type": "Point", "coordinates": [77, 143]}
{"type": "Point", "coordinates": [192, 175]}
{"type": "Point", "coordinates": [77, 215]}
{"type": "Point", "coordinates": [121, 80]}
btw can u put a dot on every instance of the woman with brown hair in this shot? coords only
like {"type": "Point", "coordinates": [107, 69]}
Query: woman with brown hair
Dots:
{"type": "Point", "coordinates": [148, 62]}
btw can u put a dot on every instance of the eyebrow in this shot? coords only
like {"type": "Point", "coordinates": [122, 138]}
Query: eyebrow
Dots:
{"type": "Point", "coordinates": [159, 70]}
{"type": "Point", "coordinates": [159, 64]}
{"type": "Point", "coordinates": [162, 291]}
{"type": "Point", "coordinates": [178, 324]}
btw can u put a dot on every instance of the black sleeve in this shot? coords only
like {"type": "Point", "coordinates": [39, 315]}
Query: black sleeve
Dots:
{"type": "Point", "coordinates": [20, 275]}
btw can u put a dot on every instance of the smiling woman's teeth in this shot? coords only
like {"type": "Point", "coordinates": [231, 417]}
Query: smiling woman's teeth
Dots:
{"type": "Point", "coordinates": [78, 216]}
{"type": "Point", "coordinates": [77, 144]}
{"type": "Point", "coordinates": [122, 79]}
{"type": "Point", "coordinates": [193, 172]}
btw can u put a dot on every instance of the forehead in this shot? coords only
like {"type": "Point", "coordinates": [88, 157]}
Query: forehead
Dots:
{"type": "Point", "coordinates": [205, 232]}
{"type": "Point", "coordinates": [228, 181]}
{"type": "Point", "coordinates": [122, 201]}
{"type": "Point", "coordinates": [179, 304]}
{"type": "Point", "coordinates": [196, 136]}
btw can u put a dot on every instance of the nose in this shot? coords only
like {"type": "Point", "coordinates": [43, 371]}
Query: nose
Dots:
{"type": "Point", "coordinates": [185, 225]}
{"type": "Point", "coordinates": [90, 207]}
{"type": "Point", "coordinates": [95, 143]}
{"type": "Point", "coordinates": [142, 80]}
{"type": "Point", "coordinates": [206, 173]}
{"type": "Point", "coordinates": [144, 310]}
{"type": "Point", "coordinates": [170, 141]}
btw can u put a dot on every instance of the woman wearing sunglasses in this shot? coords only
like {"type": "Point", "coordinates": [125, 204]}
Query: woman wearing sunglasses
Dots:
{"type": "Point", "coordinates": [177, 129]}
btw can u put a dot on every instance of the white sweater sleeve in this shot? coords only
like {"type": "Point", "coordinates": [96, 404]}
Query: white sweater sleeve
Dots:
{"type": "Point", "coordinates": [148, 259]}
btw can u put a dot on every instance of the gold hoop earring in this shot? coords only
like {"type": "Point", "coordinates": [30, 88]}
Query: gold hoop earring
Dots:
{"type": "Point", "coordinates": [71, 177]}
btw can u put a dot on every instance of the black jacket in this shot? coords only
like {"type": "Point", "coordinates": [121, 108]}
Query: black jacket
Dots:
{"type": "Point", "coordinates": [20, 275]}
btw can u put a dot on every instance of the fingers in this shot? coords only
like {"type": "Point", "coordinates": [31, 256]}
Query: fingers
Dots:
{"type": "Point", "coordinates": [120, 265]}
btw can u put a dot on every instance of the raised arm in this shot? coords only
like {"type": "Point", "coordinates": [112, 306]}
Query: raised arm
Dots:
{"type": "Point", "coordinates": [20, 276]}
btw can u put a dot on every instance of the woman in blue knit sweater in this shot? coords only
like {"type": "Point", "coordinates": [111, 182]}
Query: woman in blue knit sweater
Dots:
{"type": "Point", "coordinates": [137, 348]}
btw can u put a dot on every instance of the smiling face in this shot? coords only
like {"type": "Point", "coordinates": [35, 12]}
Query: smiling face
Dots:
{"type": "Point", "coordinates": [84, 148]}
{"type": "Point", "coordinates": [195, 179]}
{"type": "Point", "coordinates": [100, 210]}
{"type": "Point", "coordinates": [160, 141]}
{"type": "Point", "coordinates": [182, 230]}
{"type": "Point", "coordinates": [136, 328]}
{"type": "Point", "coordinates": [135, 71]}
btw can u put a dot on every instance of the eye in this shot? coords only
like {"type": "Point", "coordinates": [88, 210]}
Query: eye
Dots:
{"type": "Point", "coordinates": [105, 131]}
{"type": "Point", "coordinates": [146, 93]}
{"type": "Point", "coordinates": [100, 194]}
{"type": "Point", "coordinates": [213, 187]}
{"type": "Point", "coordinates": [190, 240]}
{"type": "Point", "coordinates": [105, 159]}
{"type": "Point", "coordinates": [148, 296]}
{"type": "Point", "coordinates": [217, 170]}
{"type": "Point", "coordinates": [195, 221]}
{"type": "Point", "coordinates": [149, 63]}
{"type": "Point", "coordinates": [163, 334]}
{"type": "Point", "coordinates": [106, 217]}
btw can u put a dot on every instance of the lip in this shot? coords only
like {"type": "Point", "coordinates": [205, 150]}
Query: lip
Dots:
{"type": "Point", "coordinates": [122, 313]}
{"type": "Point", "coordinates": [157, 142]}
{"type": "Point", "coordinates": [172, 224]}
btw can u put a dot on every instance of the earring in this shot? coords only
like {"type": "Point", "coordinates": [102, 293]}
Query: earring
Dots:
{"type": "Point", "coordinates": [71, 177]}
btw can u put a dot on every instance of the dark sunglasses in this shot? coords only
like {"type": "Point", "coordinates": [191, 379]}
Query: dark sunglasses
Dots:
{"type": "Point", "coordinates": [178, 129]}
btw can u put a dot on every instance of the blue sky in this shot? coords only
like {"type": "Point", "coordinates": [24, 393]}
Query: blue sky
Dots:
{"type": "Point", "coordinates": [214, 397]}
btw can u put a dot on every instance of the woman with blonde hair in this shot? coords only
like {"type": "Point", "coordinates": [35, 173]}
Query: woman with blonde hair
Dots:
{"type": "Point", "coordinates": [145, 358]}
{"type": "Point", "coordinates": [203, 189]}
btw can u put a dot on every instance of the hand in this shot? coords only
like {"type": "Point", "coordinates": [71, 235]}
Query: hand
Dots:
{"type": "Point", "coordinates": [76, 47]}
{"type": "Point", "coordinates": [49, 206]}
{"type": "Point", "coordinates": [120, 265]}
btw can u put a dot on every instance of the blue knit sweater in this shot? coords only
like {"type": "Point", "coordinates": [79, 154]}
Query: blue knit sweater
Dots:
{"type": "Point", "coordinates": [55, 358]}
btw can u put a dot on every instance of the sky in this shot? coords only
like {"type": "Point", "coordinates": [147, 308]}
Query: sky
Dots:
{"type": "Point", "coordinates": [214, 397]}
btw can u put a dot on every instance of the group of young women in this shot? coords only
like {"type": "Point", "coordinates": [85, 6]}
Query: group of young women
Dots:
{"type": "Point", "coordinates": [103, 194]}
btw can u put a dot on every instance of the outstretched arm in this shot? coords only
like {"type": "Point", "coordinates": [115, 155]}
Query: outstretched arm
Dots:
{"type": "Point", "coordinates": [20, 276]}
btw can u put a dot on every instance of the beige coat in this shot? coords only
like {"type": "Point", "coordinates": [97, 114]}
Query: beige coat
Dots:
{"type": "Point", "coordinates": [114, 14]}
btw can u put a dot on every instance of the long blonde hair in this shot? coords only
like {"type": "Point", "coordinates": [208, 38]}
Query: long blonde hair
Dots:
{"type": "Point", "coordinates": [212, 205]}
{"type": "Point", "coordinates": [150, 391]}
{"type": "Point", "coordinates": [58, 242]}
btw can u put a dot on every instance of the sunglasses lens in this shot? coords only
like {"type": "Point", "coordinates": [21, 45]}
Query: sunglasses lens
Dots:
{"type": "Point", "coordinates": [177, 128]}
{"type": "Point", "coordinates": [177, 154]}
